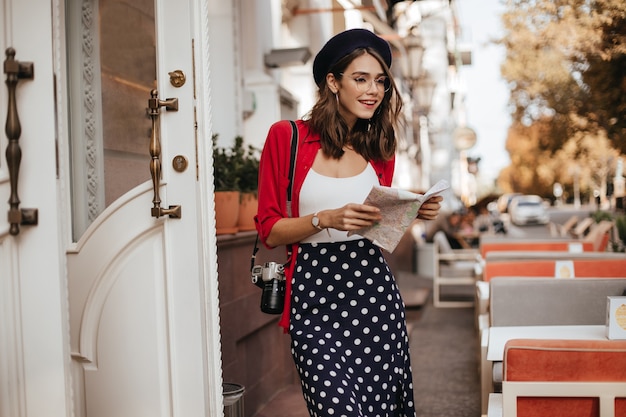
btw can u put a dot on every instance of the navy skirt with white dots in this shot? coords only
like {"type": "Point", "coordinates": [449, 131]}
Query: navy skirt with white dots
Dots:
{"type": "Point", "coordinates": [348, 332]}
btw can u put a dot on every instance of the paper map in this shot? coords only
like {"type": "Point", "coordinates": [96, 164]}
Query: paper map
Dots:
{"type": "Point", "coordinates": [398, 209]}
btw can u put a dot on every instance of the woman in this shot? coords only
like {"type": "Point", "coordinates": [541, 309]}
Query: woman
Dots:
{"type": "Point", "coordinates": [342, 310]}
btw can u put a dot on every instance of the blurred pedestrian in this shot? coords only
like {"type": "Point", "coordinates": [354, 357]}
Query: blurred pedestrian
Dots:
{"type": "Point", "coordinates": [450, 224]}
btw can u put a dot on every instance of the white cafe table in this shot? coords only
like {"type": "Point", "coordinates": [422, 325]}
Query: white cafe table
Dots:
{"type": "Point", "coordinates": [498, 336]}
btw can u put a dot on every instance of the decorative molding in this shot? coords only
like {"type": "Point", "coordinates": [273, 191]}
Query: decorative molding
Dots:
{"type": "Point", "coordinates": [94, 305]}
{"type": "Point", "coordinates": [12, 374]}
{"type": "Point", "coordinates": [90, 112]}
{"type": "Point", "coordinates": [206, 188]}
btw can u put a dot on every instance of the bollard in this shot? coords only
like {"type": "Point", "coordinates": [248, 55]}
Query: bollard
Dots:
{"type": "Point", "coordinates": [233, 401]}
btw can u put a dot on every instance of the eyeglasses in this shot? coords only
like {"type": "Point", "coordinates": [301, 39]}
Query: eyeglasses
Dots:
{"type": "Point", "coordinates": [364, 83]}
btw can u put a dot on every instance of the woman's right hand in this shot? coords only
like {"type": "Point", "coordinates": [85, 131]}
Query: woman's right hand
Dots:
{"type": "Point", "coordinates": [349, 217]}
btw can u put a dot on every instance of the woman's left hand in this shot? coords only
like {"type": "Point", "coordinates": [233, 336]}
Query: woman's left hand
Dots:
{"type": "Point", "coordinates": [430, 209]}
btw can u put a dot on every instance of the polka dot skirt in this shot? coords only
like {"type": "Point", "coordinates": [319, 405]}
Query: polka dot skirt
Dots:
{"type": "Point", "coordinates": [348, 332]}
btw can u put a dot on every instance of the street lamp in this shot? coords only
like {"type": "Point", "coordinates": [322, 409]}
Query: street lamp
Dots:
{"type": "Point", "coordinates": [464, 139]}
{"type": "Point", "coordinates": [412, 63]}
{"type": "Point", "coordinates": [421, 87]}
{"type": "Point", "coordinates": [423, 90]}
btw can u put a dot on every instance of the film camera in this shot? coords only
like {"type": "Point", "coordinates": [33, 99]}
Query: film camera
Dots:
{"type": "Point", "coordinates": [270, 277]}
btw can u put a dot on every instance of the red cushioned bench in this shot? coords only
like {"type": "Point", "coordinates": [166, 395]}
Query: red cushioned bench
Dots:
{"type": "Point", "coordinates": [518, 301]}
{"type": "Point", "coordinates": [568, 245]}
{"type": "Point", "coordinates": [603, 265]}
{"type": "Point", "coordinates": [562, 378]}
{"type": "Point", "coordinates": [597, 241]}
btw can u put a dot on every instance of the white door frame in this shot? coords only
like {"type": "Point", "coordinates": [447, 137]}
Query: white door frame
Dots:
{"type": "Point", "coordinates": [206, 204]}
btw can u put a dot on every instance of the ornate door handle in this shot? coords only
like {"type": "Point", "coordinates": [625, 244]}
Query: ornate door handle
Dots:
{"type": "Point", "coordinates": [15, 71]}
{"type": "Point", "coordinates": [154, 107]}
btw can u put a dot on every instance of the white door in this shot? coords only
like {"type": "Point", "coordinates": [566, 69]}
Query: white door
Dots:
{"type": "Point", "coordinates": [33, 379]}
{"type": "Point", "coordinates": [109, 303]}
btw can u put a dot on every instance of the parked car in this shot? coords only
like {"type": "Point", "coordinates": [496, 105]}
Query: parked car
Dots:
{"type": "Point", "coordinates": [528, 209]}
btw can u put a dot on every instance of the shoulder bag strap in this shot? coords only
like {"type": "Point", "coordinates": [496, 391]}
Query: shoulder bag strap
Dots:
{"type": "Point", "coordinates": [292, 163]}
{"type": "Point", "coordinates": [292, 169]}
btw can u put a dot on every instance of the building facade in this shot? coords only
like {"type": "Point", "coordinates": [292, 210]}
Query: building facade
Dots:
{"type": "Point", "coordinates": [113, 285]}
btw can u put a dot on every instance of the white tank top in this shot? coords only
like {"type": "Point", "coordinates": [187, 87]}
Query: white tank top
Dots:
{"type": "Point", "coordinates": [320, 192]}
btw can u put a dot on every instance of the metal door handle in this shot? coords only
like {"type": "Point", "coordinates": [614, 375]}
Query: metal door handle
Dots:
{"type": "Point", "coordinates": [15, 71]}
{"type": "Point", "coordinates": [154, 107]}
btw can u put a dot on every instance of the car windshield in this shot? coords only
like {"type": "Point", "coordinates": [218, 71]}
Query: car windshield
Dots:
{"type": "Point", "coordinates": [528, 203]}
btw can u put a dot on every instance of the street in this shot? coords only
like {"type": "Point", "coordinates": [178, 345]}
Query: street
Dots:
{"type": "Point", "coordinates": [558, 215]}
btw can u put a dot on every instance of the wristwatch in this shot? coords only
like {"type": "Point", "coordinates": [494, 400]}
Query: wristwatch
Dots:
{"type": "Point", "coordinates": [315, 221]}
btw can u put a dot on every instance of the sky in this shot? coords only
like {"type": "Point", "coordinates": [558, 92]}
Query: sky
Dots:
{"type": "Point", "coordinates": [486, 93]}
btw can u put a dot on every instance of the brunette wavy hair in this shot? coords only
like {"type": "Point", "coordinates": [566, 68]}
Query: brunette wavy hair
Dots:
{"type": "Point", "coordinates": [374, 138]}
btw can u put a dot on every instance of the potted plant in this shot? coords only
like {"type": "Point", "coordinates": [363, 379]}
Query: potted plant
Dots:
{"type": "Point", "coordinates": [235, 172]}
{"type": "Point", "coordinates": [227, 193]}
{"type": "Point", "coordinates": [247, 167]}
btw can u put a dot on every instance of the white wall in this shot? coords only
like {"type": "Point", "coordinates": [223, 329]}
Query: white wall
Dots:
{"type": "Point", "coordinates": [226, 95]}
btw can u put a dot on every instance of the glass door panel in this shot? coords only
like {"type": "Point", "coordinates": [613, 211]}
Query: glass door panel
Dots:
{"type": "Point", "coordinates": [111, 71]}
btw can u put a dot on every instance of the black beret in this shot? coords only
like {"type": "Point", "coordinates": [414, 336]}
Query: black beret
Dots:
{"type": "Point", "coordinates": [342, 44]}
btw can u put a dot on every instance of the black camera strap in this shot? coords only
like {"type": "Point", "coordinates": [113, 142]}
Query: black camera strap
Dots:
{"type": "Point", "coordinates": [292, 169]}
